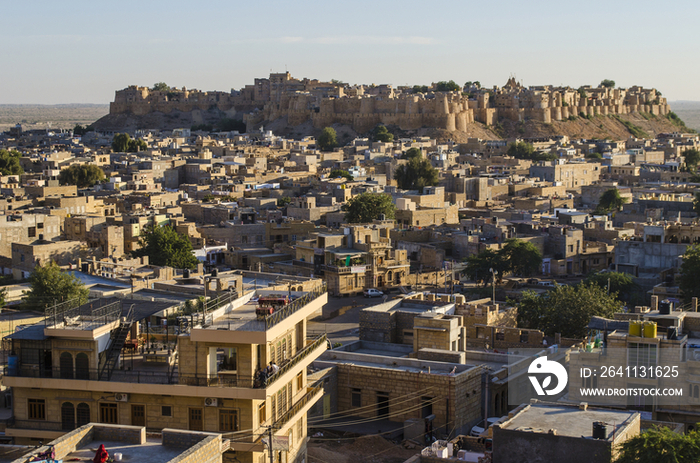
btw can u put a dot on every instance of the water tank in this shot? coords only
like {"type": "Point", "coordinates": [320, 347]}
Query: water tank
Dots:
{"type": "Point", "coordinates": [649, 329]}
{"type": "Point", "coordinates": [665, 307]}
{"type": "Point", "coordinates": [186, 273]}
{"type": "Point", "coordinates": [215, 273]}
{"type": "Point", "coordinates": [672, 333]}
{"type": "Point", "coordinates": [84, 267]}
{"type": "Point", "coordinates": [600, 430]}
{"type": "Point", "coordinates": [635, 328]}
{"type": "Point", "coordinates": [12, 362]}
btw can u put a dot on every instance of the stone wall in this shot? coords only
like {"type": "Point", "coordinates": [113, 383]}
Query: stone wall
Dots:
{"type": "Point", "coordinates": [446, 110]}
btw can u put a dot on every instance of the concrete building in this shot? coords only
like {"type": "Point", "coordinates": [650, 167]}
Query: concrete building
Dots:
{"type": "Point", "coordinates": [545, 433]}
{"type": "Point", "coordinates": [209, 381]}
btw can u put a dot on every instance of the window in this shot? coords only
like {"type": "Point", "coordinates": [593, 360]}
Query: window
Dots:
{"type": "Point", "coordinates": [166, 410]}
{"type": "Point", "coordinates": [108, 413]}
{"type": "Point", "coordinates": [262, 413]}
{"type": "Point", "coordinates": [228, 420]}
{"type": "Point", "coordinates": [31, 232]}
{"type": "Point", "coordinates": [66, 365]}
{"type": "Point", "coordinates": [37, 409]}
{"type": "Point", "coordinates": [83, 414]}
{"type": "Point", "coordinates": [356, 398]}
{"type": "Point", "coordinates": [67, 416]}
{"type": "Point", "coordinates": [641, 355]}
{"type": "Point", "coordinates": [300, 381]}
{"type": "Point", "coordinates": [82, 366]}
{"type": "Point", "coordinates": [300, 425]}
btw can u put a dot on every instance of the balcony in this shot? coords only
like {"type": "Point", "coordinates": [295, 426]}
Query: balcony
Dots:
{"type": "Point", "coordinates": [313, 393]}
{"type": "Point", "coordinates": [168, 375]}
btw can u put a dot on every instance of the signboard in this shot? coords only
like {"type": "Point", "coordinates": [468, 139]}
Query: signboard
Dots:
{"type": "Point", "coordinates": [280, 443]}
{"type": "Point", "coordinates": [357, 269]}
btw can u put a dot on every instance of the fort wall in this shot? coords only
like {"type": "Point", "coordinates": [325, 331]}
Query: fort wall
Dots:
{"type": "Point", "coordinates": [325, 104]}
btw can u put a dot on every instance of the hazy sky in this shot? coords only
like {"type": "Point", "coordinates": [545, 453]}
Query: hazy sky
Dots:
{"type": "Point", "coordinates": [82, 51]}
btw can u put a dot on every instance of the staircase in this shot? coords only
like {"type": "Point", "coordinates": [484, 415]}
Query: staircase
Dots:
{"type": "Point", "coordinates": [117, 340]}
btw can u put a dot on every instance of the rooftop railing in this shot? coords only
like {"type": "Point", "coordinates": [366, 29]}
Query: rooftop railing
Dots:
{"type": "Point", "coordinates": [295, 305]}
{"type": "Point", "coordinates": [73, 316]}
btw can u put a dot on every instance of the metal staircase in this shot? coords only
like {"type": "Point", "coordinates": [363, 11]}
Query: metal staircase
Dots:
{"type": "Point", "coordinates": [117, 340]}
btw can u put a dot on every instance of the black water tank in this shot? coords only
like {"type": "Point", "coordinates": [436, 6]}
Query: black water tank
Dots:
{"type": "Point", "coordinates": [600, 430]}
{"type": "Point", "coordinates": [186, 273]}
{"type": "Point", "coordinates": [665, 307]}
{"type": "Point", "coordinates": [215, 273]}
{"type": "Point", "coordinates": [672, 333]}
{"type": "Point", "coordinates": [84, 267]}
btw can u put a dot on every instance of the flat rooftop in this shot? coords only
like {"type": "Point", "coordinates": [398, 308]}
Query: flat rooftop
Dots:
{"type": "Point", "coordinates": [151, 451]}
{"type": "Point", "coordinates": [393, 363]}
{"type": "Point", "coordinates": [568, 420]}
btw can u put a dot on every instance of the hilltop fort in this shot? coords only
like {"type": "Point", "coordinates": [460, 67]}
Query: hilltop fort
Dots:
{"type": "Point", "coordinates": [362, 107]}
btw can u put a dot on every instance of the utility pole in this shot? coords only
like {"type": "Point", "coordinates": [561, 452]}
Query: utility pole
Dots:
{"type": "Point", "coordinates": [269, 444]}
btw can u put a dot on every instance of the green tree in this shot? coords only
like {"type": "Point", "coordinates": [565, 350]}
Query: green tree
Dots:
{"type": "Point", "coordinates": [417, 173]}
{"type": "Point", "coordinates": [692, 158]}
{"type": "Point", "coordinates": [382, 134]}
{"type": "Point", "coordinates": [660, 445]}
{"type": "Point", "coordinates": [369, 206]}
{"type": "Point", "coordinates": [283, 201]}
{"type": "Point", "coordinates": [690, 269]}
{"type": "Point", "coordinates": [566, 309]}
{"type": "Point", "coordinates": [621, 284]}
{"type": "Point", "coordinates": [84, 175]}
{"type": "Point", "coordinates": [412, 153]}
{"type": "Point", "coordinates": [524, 150]}
{"type": "Point", "coordinates": [328, 139]}
{"type": "Point", "coordinates": [608, 83]}
{"type": "Point", "coordinates": [420, 89]}
{"type": "Point", "coordinates": [610, 201]}
{"type": "Point", "coordinates": [229, 125]}
{"type": "Point", "coordinates": [340, 173]}
{"type": "Point", "coordinates": [79, 130]}
{"type": "Point", "coordinates": [479, 266]}
{"type": "Point", "coordinates": [164, 246]}
{"type": "Point", "coordinates": [696, 201]}
{"type": "Point", "coordinates": [123, 143]}
{"type": "Point", "coordinates": [445, 86]}
{"type": "Point", "coordinates": [9, 162]}
{"type": "Point", "coordinates": [522, 257]}
{"type": "Point", "coordinates": [48, 285]}
{"type": "Point", "coordinates": [161, 87]}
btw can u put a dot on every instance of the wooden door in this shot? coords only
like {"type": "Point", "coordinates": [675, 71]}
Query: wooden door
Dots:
{"type": "Point", "coordinates": [138, 415]}
{"type": "Point", "coordinates": [196, 419]}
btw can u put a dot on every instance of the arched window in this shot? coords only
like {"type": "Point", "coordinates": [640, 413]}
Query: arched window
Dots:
{"type": "Point", "coordinates": [82, 366]}
{"type": "Point", "coordinates": [67, 416]}
{"type": "Point", "coordinates": [83, 414]}
{"type": "Point", "coordinates": [66, 365]}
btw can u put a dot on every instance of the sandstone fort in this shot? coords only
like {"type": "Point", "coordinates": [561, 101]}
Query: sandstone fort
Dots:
{"type": "Point", "coordinates": [364, 106]}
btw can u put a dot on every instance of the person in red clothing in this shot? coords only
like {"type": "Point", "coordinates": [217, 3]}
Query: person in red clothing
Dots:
{"type": "Point", "coordinates": [101, 455]}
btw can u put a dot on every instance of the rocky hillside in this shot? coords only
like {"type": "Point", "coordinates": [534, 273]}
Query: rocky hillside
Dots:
{"type": "Point", "coordinates": [640, 125]}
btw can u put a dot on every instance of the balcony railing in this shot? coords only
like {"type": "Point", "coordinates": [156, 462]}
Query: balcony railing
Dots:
{"type": "Point", "coordinates": [289, 414]}
{"type": "Point", "coordinates": [295, 305]}
{"type": "Point", "coordinates": [301, 355]}
{"type": "Point", "coordinates": [167, 375]}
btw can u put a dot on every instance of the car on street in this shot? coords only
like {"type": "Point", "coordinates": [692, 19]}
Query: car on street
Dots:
{"type": "Point", "coordinates": [372, 293]}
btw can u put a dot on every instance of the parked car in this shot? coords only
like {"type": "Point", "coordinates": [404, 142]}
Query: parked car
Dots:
{"type": "Point", "coordinates": [372, 293]}
{"type": "Point", "coordinates": [477, 430]}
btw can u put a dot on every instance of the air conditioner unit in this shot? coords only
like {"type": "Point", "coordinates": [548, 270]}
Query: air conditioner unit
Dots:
{"type": "Point", "coordinates": [120, 397]}
{"type": "Point", "coordinates": [211, 402]}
